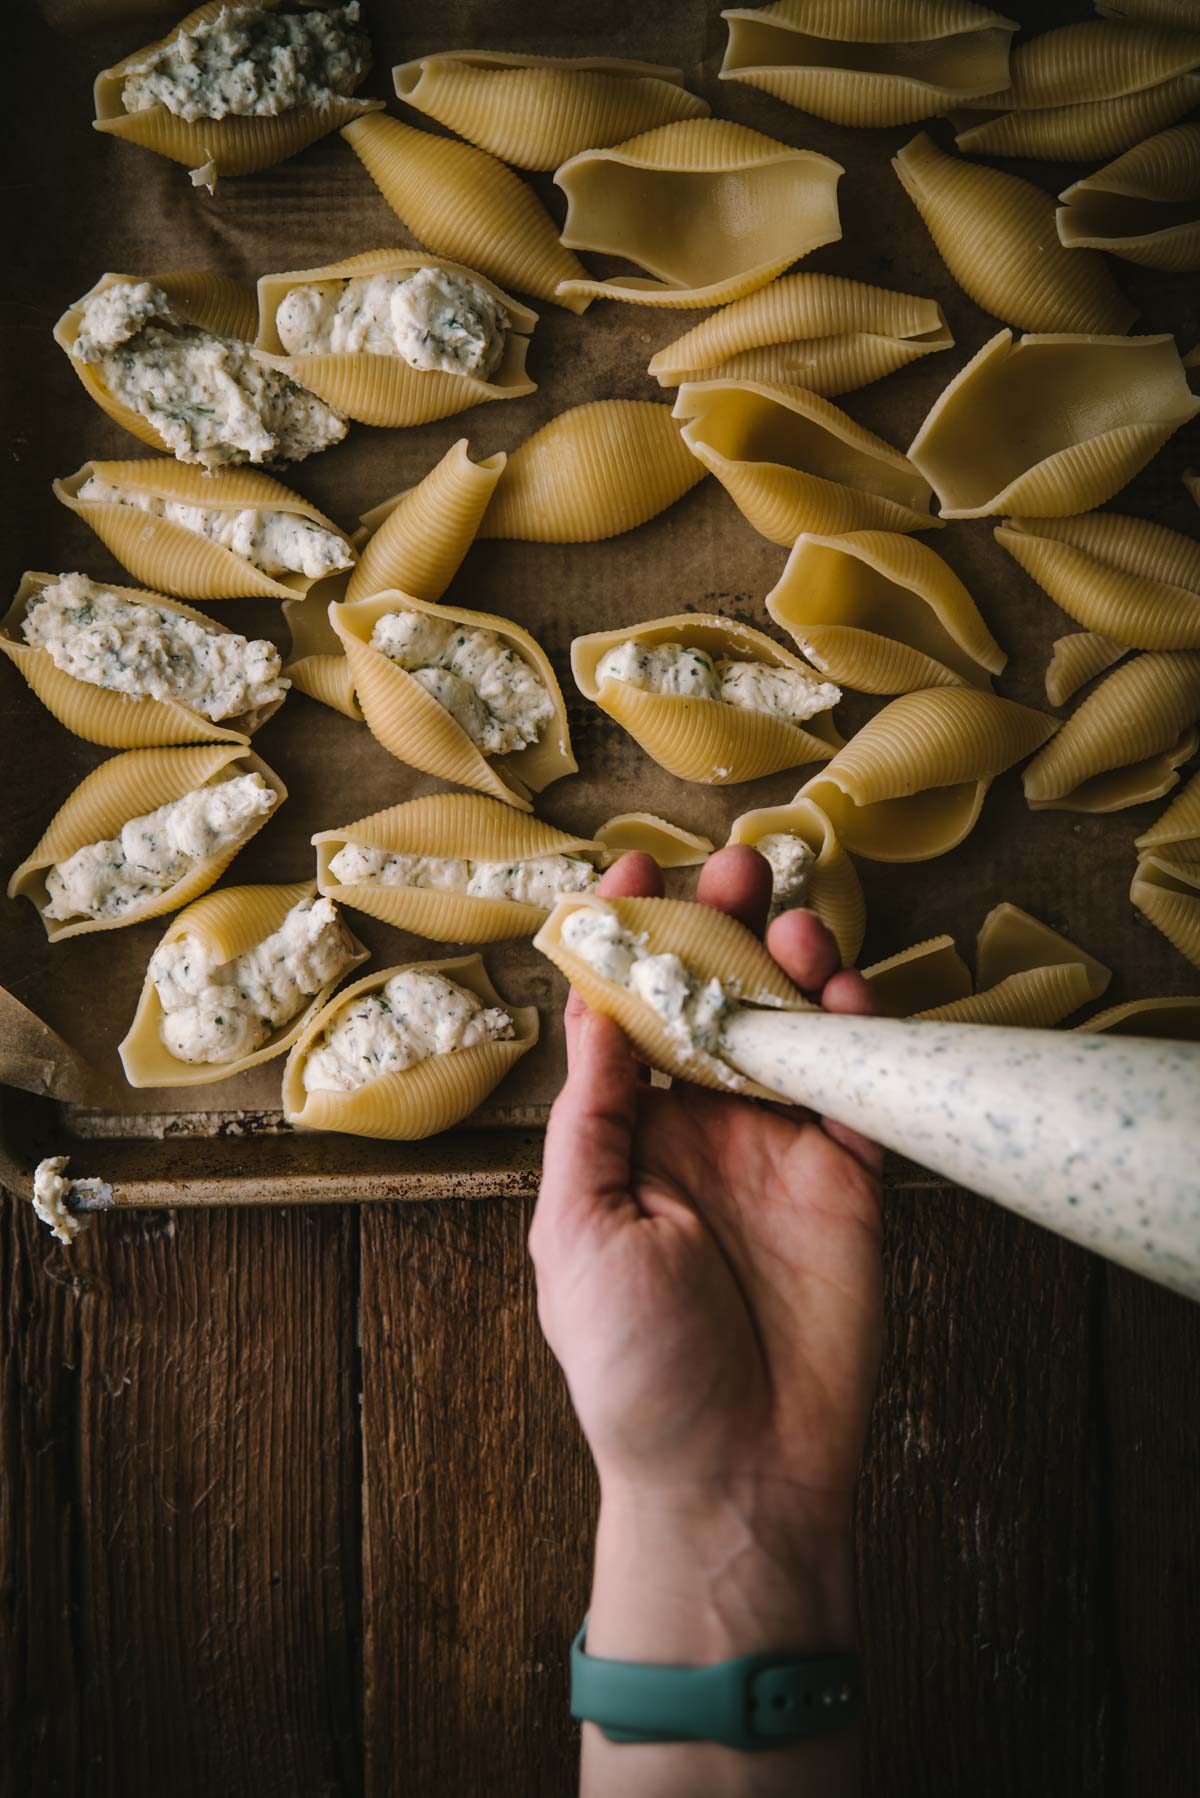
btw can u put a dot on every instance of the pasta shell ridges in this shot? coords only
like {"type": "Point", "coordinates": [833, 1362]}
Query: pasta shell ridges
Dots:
{"type": "Point", "coordinates": [420, 543]}
{"type": "Point", "coordinates": [1177, 1018]}
{"type": "Point", "coordinates": [1032, 999]}
{"type": "Point", "coordinates": [1138, 712]}
{"type": "Point", "coordinates": [706, 741]}
{"type": "Point", "coordinates": [1142, 610]}
{"type": "Point", "coordinates": [1077, 659]}
{"type": "Point", "coordinates": [1079, 133]}
{"type": "Point", "coordinates": [1180, 823]}
{"type": "Point", "coordinates": [327, 679]}
{"type": "Point", "coordinates": [99, 715]}
{"type": "Point", "coordinates": [235, 146]}
{"type": "Point", "coordinates": [457, 825]}
{"type": "Point", "coordinates": [1168, 893]}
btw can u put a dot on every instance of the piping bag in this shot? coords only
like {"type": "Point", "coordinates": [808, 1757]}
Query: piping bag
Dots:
{"type": "Point", "coordinates": [1094, 1137]}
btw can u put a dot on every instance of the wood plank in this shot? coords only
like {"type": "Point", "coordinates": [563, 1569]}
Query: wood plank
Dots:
{"type": "Point", "coordinates": [218, 1469]}
{"type": "Point", "coordinates": [478, 1514]}
{"type": "Point", "coordinates": [1152, 1387]}
{"type": "Point", "coordinates": [981, 1552]}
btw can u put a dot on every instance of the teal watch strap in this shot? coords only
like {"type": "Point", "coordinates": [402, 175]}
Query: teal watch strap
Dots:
{"type": "Point", "coordinates": [758, 1701]}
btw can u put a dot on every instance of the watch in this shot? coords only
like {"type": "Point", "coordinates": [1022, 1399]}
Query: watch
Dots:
{"type": "Point", "coordinates": [757, 1701]}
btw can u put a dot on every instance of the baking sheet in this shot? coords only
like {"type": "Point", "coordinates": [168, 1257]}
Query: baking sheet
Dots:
{"type": "Point", "coordinates": [80, 204]}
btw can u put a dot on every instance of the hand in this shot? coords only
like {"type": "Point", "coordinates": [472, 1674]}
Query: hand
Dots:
{"type": "Point", "coordinates": [709, 1279]}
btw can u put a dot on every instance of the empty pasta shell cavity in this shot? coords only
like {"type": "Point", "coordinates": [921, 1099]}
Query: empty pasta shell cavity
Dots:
{"type": "Point", "coordinates": [1144, 207]}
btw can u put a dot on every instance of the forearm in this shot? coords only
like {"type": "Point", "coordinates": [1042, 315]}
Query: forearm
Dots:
{"type": "Point", "coordinates": [706, 1577]}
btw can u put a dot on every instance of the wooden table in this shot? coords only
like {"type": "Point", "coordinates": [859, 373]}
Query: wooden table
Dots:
{"type": "Point", "coordinates": [293, 1504]}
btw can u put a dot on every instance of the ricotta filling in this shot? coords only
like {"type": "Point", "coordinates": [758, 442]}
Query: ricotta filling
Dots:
{"type": "Point", "coordinates": [487, 688]}
{"type": "Point", "coordinates": [539, 881]}
{"type": "Point", "coordinates": [276, 542]}
{"type": "Point", "coordinates": [217, 1012]}
{"type": "Point", "coordinates": [156, 849]}
{"type": "Point", "coordinates": [208, 397]}
{"type": "Point", "coordinates": [673, 668]}
{"type": "Point", "coordinates": [250, 63]}
{"type": "Point", "coordinates": [144, 652]}
{"type": "Point", "coordinates": [693, 1011]}
{"type": "Point", "coordinates": [434, 319]}
{"type": "Point", "coordinates": [415, 1015]}
{"type": "Point", "coordinates": [53, 1192]}
{"type": "Point", "coordinates": [792, 863]}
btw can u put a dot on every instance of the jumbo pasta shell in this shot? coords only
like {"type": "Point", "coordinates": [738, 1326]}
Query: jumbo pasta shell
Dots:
{"type": "Point", "coordinates": [422, 1100]}
{"type": "Point", "coordinates": [535, 111]}
{"type": "Point", "coordinates": [594, 471]}
{"type": "Point", "coordinates": [705, 740]}
{"type": "Point", "coordinates": [210, 302]}
{"type": "Point", "coordinates": [317, 664]}
{"type": "Point", "coordinates": [101, 715]}
{"type": "Point", "coordinates": [230, 146]}
{"type": "Point", "coordinates": [1167, 891]}
{"type": "Point", "coordinates": [412, 726]}
{"type": "Point", "coordinates": [1120, 577]}
{"type": "Point", "coordinates": [458, 826]}
{"type": "Point", "coordinates": [168, 556]}
{"type": "Point", "coordinates": [791, 462]}
{"type": "Point", "coordinates": [1051, 425]}
{"type": "Point", "coordinates": [644, 833]}
{"type": "Point", "coordinates": [1175, 1018]}
{"type": "Point", "coordinates": [228, 923]}
{"type": "Point", "coordinates": [834, 889]}
{"type": "Point", "coordinates": [1123, 744]}
{"type": "Point", "coordinates": [997, 236]}
{"type": "Point", "coordinates": [1083, 132]}
{"type": "Point", "coordinates": [463, 203]}
{"type": "Point", "coordinates": [904, 983]}
{"type": "Point", "coordinates": [711, 945]}
{"type": "Point", "coordinates": [1144, 207]}
{"type": "Point", "coordinates": [1093, 60]}
{"type": "Point", "coordinates": [862, 63]}
{"type": "Point", "coordinates": [1012, 941]}
{"type": "Point", "coordinates": [1178, 826]}
{"type": "Point", "coordinates": [882, 614]}
{"type": "Point", "coordinates": [821, 332]}
{"type": "Point", "coordinates": [1077, 659]}
{"type": "Point", "coordinates": [1034, 999]}
{"type": "Point", "coordinates": [416, 540]}
{"type": "Point", "coordinates": [1150, 12]}
{"type": "Point", "coordinates": [708, 208]}
{"type": "Point", "coordinates": [128, 786]}
{"type": "Point", "coordinates": [388, 390]}
{"type": "Point", "coordinates": [911, 783]}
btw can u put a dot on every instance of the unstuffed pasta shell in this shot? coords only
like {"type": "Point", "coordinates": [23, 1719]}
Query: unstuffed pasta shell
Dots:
{"type": "Point", "coordinates": [1166, 889]}
{"type": "Point", "coordinates": [700, 739]}
{"type": "Point", "coordinates": [1076, 659]}
{"type": "Point", "coordinates": [130, 786]}
{"type": "Point", "coordinates": [644, 833]}
{"type": "Point", "coordinates": [711, 945]}
{"type": "Point", "coordinates": [416, 540]}
{"type": "Point", "coordinates": [1144, 207]}
{"type": "Point", "coordinates": [824, 333]}
{"type": "Point", "coordinates": [931, 972]}
{"type": "Point", "coordinates": [792, 462]}
{"type": "Point", "coordinates": [453, 827]}
{"type": "Point", "coordinates": [216, 147]}
{"type": "Point", "coordinates": [1124, 578]}
{"type": "Point", "coordinates": [169, 556]}
{"type": "Point", "coordinates": [883, 614]}
{"type": "Point", "coordinates": [1179, 825]}
{"type": "Point", "coordinates": [317, 663]}
{"type": "Point", "coordinates": [833, 891]}
{"type": "Point", "coordinates": [414, 727]}
{"type": "Point", "coordinates": [430, 1096]}
{"type": "Point", "coordinates": [1175, 1018]}
{"type": "Point", "coordinates": [535, 111]}
{"type": "Point", "coordinates": [386, 389]}
{"type": "Point", "coordinates": [1123, 744]}
{"type": "Point", "coordinates": [227, 924]}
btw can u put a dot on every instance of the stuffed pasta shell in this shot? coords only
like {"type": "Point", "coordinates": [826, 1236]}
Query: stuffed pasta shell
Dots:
{"type": "Point", "coordinates": [1123, 744]}
{"type": "Point", "coordinates": [671, 973]}
{"type": "Point", "coordinates": [708, 208]}
{"type": "Point", "coordinates": [792, 462]}
{"type": "Point", "coordinates": [883, 614]}
{"type": "Point", "coordinates": [707, 698]}
{"type": "Point", "coordinates": [869, 62]}
{"type": "Point", "coordinates": [234, 534]}
{"type": "Point", "coordinates": [395, 337]}
{"type": "Point", "coordinates": [239, 85]}
{"type": "Point", "coordinates": [821, 332]}
{"type": "Point", "coordinates": [809, 867]}
{"type": "Point", "coordinates": [463, 695]}
{"type": "Point", "coordinates": [1051, 425]}
{"type": "Point", "coordinates": [167, 359]}
{"type": "Point", "coordinates": [911, 783]}
{"type": "Point", "coordinates": [535, 111]}
{"type": "Point", "coordinates": [1124, 578]}
{"type": "Point", "coordinates": [405, 1053]}
{"type": "Point", "coordinates": [593, 472]}
{"type": "Point", "coordinates": [132, 669]}
{"type": "Point", "coordinates": [233, 982]}
{"type": "Point", "coordinates": [455, 867]}
{"type": "Point", "coordinates": [1144, 207]}
{"type": "Point", "coordinates": [465, 204]}
{"type": "Point", "coordinates": [143, 834]}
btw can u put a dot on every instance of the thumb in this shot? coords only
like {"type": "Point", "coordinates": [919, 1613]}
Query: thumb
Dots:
{"type": "Point", "coordinates": [589, 1138]}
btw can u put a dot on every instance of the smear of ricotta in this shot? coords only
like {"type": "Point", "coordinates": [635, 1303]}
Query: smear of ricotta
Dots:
{"type": "Point", "coordinates": [490, 690]}
{"type": "Point", "coordinates": [433, 319]}
{"type": "Point", "coordinates": [277, 542]}
{"type": "Point", "coordinates": [415, 1015]}
{"type": "Point", "coordinates": [538, 881]}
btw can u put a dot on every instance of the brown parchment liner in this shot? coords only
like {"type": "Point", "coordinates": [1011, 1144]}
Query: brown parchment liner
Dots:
{"type": "Point", "coordinates": [459, 826]}
{"type": "Point", "coordinates": [834, 890]}
{"type": "Point", "coordinates": [130, 786]}
{"type": "Point", "coordinates": [100, 715]}
{"type": "Point", "coordinates": [422, 1100]}
{"type": "Point", "coordinates": [1144, 207]}
{"type": "Point", "coordinates": [228, 923]}
{"type": "Point", "coordinates": [1128, 579]}
{"type": "Point", "coordinates": [387, 390]}
{"type": "Point", "coordinates": [704, 740]}
{"type": "Point", "coordinates": [412, 726]}
{"type": "Point", "coordinates": [710, 944]}
{"type": "Point", "coordinates": [169, 557]}
{"type": "Point", "coordinates": [1122, 744]}
{"type": "Point", "coordinates": [231, 146]}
